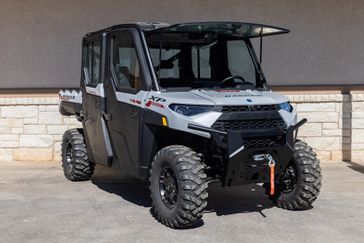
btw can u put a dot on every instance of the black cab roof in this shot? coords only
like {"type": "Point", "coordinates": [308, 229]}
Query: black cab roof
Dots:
{"type": "Point", "coordinates": [238, 29]}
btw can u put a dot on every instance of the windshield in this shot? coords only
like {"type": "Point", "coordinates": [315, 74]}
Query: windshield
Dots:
{"type": "Point", "coordinates": [206, 60]}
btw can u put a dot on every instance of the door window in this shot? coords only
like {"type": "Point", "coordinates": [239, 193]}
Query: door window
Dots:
{"type": "Point", "coordinates": [92, 62]}
{"type": "Point", "coordinates": [125, 63]}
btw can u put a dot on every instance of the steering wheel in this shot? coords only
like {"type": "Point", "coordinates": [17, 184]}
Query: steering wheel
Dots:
{"type": "Point", "coordinates": [232, 77]}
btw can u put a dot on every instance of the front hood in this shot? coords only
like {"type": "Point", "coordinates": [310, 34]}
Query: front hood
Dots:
{"type": "Point", "coordinates": [225, 97]}
{"type": "Point", "coordinates": [188, 98]}
{"type": "Point", "coordinates": [240, 97]}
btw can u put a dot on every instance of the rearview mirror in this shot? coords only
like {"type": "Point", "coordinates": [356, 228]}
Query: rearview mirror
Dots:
{"type": "Point", "coordinates": [165, 64]}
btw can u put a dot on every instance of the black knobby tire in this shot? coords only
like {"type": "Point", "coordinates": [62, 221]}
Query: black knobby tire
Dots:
{"type": "Point", "coordinates": [191, 187]}
{"type": "Point", "coordinates": [307, 183]}
{"type": "Point", "coordinates": [75, 163]}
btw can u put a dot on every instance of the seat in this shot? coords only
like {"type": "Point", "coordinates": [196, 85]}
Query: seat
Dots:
{"type": "Point", "coordinates": [123, 75]}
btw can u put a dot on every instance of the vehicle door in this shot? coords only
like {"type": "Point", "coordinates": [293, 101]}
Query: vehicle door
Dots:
{"type": "Point", "coordinates": [96, 134]}
{"type": "Point", "coordinates": [125, 93]}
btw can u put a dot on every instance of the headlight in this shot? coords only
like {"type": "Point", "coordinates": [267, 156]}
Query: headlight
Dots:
{"type": "Point", "coordinates": [286, 106]}
{"type": "Point", "coordinates": [190, 110]}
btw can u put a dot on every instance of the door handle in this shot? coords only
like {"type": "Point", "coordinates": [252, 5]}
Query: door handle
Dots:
{"type": "Point", "coordinates": [106, 116]}
{"type": "Point", "coordinates": [134, 114]}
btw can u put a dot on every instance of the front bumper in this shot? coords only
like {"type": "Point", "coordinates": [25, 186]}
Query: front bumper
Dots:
{"type": "Point", "coordinates": [245, 164]}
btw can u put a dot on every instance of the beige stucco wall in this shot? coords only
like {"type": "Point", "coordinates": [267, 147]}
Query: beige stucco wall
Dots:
{"type": "Point", "coordinates": [40, 40]}
{"type": "Point", "coordinates": [31, 128]}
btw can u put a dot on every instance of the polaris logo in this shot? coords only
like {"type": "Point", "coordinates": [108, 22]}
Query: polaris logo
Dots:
{"type": "Point", "coordinates": [254, 115]}
{"type": "Point", "coordinates": [253, 107]}
{"type": "Point", "coordinates": [243, 95]}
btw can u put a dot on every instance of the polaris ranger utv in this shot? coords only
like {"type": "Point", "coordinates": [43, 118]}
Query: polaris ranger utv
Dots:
{"type": "Point", "coordinates": [182, 106]}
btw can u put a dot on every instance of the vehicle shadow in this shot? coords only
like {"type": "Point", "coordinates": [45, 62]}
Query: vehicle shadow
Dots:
{"type": "Point", "coordinates": [221, 201]}
{"type": "Point", "coordinates": [128, 188]}
{"type": "Point", "coordinates": [355, 166]}
{"type": "Point", "coordinates": [235, 200]}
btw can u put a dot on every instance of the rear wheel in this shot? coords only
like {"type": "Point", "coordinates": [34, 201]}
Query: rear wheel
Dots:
{"type": "Point", "coordinates": [75, 163]}
{"type": "Point", "coordinates": [178, 186]}
{"type": "Point", "coordinates": [300, 183]}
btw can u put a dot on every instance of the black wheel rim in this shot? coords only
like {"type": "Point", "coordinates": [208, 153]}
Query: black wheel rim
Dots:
{"type": "Point", "coordinates": [168, 187]}
{"type": "Point", "coordinates": [288, 179]}
{"type": "Point", "coordinates": [69, 157]}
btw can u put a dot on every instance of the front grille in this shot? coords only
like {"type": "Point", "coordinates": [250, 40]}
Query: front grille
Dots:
{"type": "Point", "coordinates": [249, 124]}
{"type": "Point", "coordinates": [249, 108]}
{"type": "Point", "coordinates": [265, 142]}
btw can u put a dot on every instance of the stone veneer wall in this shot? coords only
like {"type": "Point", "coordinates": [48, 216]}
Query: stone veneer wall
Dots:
{"type": "Point", "coordinates": [335, 127]}
{"type": "Point", "coordinates": [31, 128]}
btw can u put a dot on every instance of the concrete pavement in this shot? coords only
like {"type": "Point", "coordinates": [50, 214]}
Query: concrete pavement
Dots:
{"type": "Point", "coordinates": [37, 204]}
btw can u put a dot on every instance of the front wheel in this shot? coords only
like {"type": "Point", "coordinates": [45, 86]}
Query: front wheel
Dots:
{"type": "Point", "coordinates": [300, 183]}
{"type": "Point", "coordinates": [178, 186]}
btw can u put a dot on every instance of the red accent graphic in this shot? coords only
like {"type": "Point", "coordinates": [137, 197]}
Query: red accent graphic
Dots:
{"type": "Point", "coordinates": [136, 101]}
{"type": "Point", "coordinates": [158, 105]}
{"type": "Point", "coordinates": [148, 104]}
{"type": "Point", "coordinates": [153, 103]}
{"type": "Point", "coordinates": [66, 97]}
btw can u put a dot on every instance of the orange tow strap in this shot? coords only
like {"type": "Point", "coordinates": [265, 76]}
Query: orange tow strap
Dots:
{"type": "Point", "coordinates": [271, 179]}
{"type": "Point", "coordinates": [271, 164]}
